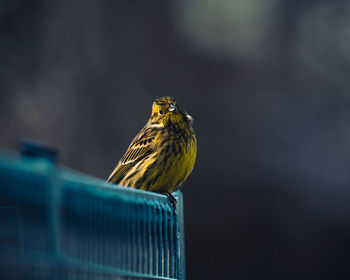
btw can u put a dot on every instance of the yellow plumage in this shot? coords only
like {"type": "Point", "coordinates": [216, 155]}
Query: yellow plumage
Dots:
{"type": "Point", "coordinates": [163, 153]}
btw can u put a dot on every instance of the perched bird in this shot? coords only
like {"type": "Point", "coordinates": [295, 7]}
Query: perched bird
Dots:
{"type": "Point", "coordinates": [163, 153]}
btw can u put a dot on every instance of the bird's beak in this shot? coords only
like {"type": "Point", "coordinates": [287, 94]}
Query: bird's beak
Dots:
{"type": "Point", "coordinates": [189, 118]}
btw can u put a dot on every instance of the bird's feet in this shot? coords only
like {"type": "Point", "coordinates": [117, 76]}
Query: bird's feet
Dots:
{"type": "Point", "coordinates": [172, 199]}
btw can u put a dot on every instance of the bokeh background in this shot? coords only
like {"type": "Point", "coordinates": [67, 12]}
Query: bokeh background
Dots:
{"type": "Point", "coordinates": [267, 83]}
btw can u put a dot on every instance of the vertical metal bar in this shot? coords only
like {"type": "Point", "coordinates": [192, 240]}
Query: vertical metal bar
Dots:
{"type": "Point", "coordinates": [155, 243]}
{"type": "Point", "coordinates": [166, 242]}
{"type": "Point", "coordinates": [176, 247]}
{"type": "Point", "coordinates": [181, 236]}
{"type": "Point", "coordinates": [139, 237]}
{"type": "Point", "coordinates": [125, 234]}
{"type": "Point", "coordinates": [150, 240]}
{"type": "Point", "coordinates": [160, 241]}
{"type": "Point", "coordinates": [89, 246]}
{"type": "Point", "coordinates": [118, 232]}
{"type": "Point", "coordinates": [55, 187]}
{"type": "Point", "coordinates": [129, 237]}
{"type": "Point", "coordinates": [144, 239]}
{"type": "Point", "coordinates": [133, 236]}
{"type": "Point", "coordinates": [172, 244]}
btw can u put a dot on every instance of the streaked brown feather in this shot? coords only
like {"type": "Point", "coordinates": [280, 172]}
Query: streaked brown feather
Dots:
{"type": "Point", "coordinates": [139, 148]}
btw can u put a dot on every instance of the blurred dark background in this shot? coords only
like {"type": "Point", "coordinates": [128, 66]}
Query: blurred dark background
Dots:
{"type": "Point", "coordinates": [267, 83]}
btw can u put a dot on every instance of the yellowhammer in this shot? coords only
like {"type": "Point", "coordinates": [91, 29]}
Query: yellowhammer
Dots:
{"type": "Point", "coordinates": [162, 155]}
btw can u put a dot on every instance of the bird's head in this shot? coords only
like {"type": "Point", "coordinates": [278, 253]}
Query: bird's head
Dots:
{"type": "Point", "coordinates": [166, 110]}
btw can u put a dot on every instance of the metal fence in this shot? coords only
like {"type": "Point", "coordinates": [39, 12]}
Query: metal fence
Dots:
{"type": "Point", "coordinates": [56, 223]}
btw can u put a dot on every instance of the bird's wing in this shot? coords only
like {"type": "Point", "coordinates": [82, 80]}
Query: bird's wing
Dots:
{"type": "Point", "coordinates": [139, 148]}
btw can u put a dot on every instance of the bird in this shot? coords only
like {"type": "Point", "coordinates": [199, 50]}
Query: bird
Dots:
{"type": "Point", "coordinates": [162, 155]}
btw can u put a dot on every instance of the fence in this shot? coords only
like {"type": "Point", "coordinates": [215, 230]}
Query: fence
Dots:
{"type": "Point", "coordinates": [56, 223]}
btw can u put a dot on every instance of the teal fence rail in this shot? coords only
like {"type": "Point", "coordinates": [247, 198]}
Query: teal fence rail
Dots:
{"type": "Point", "coordinates": [56, 223]}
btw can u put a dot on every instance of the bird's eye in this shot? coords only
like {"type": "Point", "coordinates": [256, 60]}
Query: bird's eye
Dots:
{"type": "Point", "coordinates": [172, 108]}
{"type": "Point", "coordinates": [160, 112]}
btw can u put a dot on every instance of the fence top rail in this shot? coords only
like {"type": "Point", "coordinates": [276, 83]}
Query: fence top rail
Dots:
{"type": "Point", "coordinates": [13, 166]}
